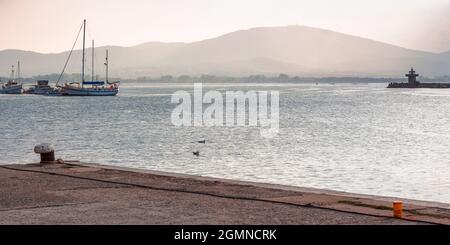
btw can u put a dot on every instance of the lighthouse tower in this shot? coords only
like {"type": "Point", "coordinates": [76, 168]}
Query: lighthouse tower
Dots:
{"type": "Point", "coordinates": [412, 77]}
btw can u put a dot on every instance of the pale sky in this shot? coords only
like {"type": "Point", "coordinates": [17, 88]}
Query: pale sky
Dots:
{"type": "Point", "coordinates": [51, 25]}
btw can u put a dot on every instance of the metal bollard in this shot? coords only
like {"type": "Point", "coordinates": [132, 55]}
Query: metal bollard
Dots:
{"type": "Point", "coordinates": [47, 152]}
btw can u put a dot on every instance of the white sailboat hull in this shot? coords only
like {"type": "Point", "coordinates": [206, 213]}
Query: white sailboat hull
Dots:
{"type": "Point", "coordinates": [73, 91]}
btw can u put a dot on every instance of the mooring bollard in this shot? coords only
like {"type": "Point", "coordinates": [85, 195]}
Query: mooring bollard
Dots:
{"type": "Point", "coordinates": [47, 152]}
{"type": "Point", "coordinates": [398, 209]}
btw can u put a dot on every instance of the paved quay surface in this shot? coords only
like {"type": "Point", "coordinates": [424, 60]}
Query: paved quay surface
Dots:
{"type": "Point", "coordinates": [91, 194]}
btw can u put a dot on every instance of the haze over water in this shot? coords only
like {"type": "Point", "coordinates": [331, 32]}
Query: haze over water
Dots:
{"type": "Point", "coordinates": [355, 138]}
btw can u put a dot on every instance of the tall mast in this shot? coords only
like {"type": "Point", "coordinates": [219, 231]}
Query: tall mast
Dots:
{"type": "Point", "coordinates": [93, 50]}
{"type": "Point", "coordinates": [12, 72]}
{"type": "Point", "coordinates": [84, 39]}
{"type": "Point", "coordinates": [18, 71]}
{"type": "Point", "coordinates": [106, 64]}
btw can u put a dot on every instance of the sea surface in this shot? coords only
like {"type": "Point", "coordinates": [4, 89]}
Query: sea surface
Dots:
{"type": "Point", "coordinates": [347, 137]}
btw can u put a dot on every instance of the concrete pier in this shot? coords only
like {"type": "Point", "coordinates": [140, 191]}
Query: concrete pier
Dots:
{"type": "Point", "coordinates": [94, 194]}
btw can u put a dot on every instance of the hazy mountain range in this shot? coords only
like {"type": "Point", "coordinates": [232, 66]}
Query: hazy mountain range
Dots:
{"type": "Point", "coordinates": [294, 50]}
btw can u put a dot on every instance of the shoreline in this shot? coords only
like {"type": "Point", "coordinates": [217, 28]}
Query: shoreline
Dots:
{"type": "Point", "coordinates": [86, 193]}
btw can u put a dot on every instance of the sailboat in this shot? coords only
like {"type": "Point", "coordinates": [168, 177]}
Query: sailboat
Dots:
{"type": "Point", "coordinates": [13, 86]}
{"type": "Point", "coordinates": [90, 88]}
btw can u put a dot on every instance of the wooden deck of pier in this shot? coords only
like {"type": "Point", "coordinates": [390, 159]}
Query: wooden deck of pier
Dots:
{"type": "Point", "coordinates": [92, 194]}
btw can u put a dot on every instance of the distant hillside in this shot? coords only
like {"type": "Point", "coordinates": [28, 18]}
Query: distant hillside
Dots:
{"type": "Point", "coordinates": [294, 50]}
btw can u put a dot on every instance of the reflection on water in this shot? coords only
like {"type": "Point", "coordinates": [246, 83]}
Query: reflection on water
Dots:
{"type": "Point", "coordinates": [355, 138]}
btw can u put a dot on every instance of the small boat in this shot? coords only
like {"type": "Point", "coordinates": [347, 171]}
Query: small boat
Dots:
{"type": "Point", "coordinates": [12, 86]}
{"type": "Point", "coordinates": [42, 88]}
{"type": "Point", "coordinates": [93, 87]}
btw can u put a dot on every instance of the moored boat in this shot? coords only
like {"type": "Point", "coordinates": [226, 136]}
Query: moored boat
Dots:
{"type": "Point", "coordinates": [12, 86]}
{"type": "Point", "coordinates": [97, 88]}
{"type": "Point", "coordinates": [90, 88]}
{"type": "Point", "coordinates": [42, 88]}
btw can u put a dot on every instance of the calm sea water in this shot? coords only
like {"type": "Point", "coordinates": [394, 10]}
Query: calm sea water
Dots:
{"type": "Point", "coordinates": [355, 138]}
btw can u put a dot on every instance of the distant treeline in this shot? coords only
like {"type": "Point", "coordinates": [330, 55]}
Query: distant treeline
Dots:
{"type": "Point", "coordinates": [282, 78]}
